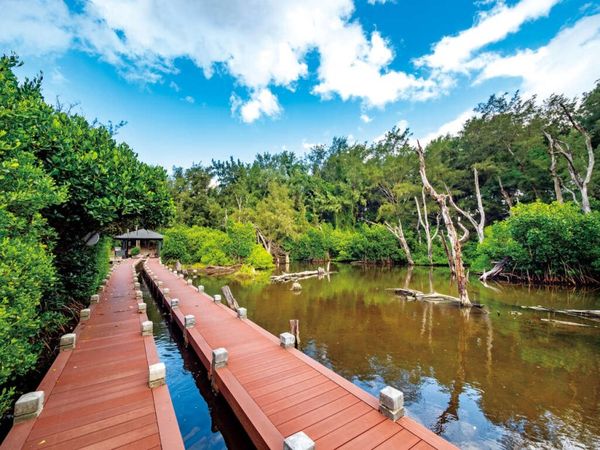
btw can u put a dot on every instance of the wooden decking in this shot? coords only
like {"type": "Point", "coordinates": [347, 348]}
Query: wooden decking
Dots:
{"type": "Point", "coordinates": [276, 392]}
{"type": "Point", "coordinates": [97, 395]}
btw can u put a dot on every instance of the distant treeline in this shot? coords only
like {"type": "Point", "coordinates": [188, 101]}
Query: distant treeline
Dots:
{"type": "Point", "coordinates": [339, 199]}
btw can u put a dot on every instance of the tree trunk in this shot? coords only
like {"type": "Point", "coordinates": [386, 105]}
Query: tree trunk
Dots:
{"type": "Point", "coordinates": [423, 221]}
{"type": "Point", "coordinates": [505, 195]}
{"type": "Point", "coordinates": [553, 173]}
{"type": "Point", "coordinates": [398, 231]}
{"type": "Point", "coordinates": [564, 149]}
{"type": "Point", "coordinates": [455, 244]}
{"type": "Point", "coordinates": [479, 226]}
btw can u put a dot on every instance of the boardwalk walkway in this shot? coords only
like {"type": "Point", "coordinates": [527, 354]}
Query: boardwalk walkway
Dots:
{"type": "Point", "coordinates": [277, 392]}
{"type": "Point", "coordinates": [97, 395]}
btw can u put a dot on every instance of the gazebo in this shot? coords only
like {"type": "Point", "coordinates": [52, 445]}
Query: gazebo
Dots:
{"type": "Point", "coordinates": [147, 241]}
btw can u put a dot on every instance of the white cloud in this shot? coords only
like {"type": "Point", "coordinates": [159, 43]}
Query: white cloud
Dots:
{"type": "Point", "coordinates": [260, 46]}
{"type": "Point", "coordinates": [567, 64]}
{"type": "Point", "coordinates": [57, 77]}
{"type": "Point", "coordinates": [189, 99]}
{"type": "Point", "coordinates": [452, 127]}
{"type": "Point", "coordinates": [35, 27]}
{"type": "Point", "coordinates": [365, 118]}
{"type": "Point", "coordinates": [261, 102]}
{"type": "Point", "coordinates": [455, 53]}
{"type": "Point", "coordinates": [174, 86]}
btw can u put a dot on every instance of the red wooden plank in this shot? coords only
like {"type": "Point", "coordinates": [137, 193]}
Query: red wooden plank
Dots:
{"type": "Point", "coordinates": [97, 394]}
{"type": "Point", "coordinates": [400, 441]}
{"type": "Point", "coordinates": [304, 421]}
{"type": "Point", "coordinates": [374, 436]}
{"type": "Point", "coordinates": [349, 431]}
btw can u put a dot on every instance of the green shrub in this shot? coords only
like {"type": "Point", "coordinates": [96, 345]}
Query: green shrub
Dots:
{"type": "Point", "coordinates": [26, 274]}
{"type": "Point", "coordinates": [259, 258]}
{"type": "Point", "coordinates": [134, 251]}
{"type": "Point", "coordinates": [242, 239]}
{"type": "Point", "coordinates": [544, 240]}
{"type": "Point", "coordinates": [372, 243]}
{"type": "Point", "coordinates": [192, 245]}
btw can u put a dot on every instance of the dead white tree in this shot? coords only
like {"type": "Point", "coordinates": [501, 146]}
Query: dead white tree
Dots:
{"type": "Point", "coordinates": [564, 149]}
{"type": "Point", "coordinates": [553, 173]}
{"type": "Point", "coordinates": [505, 195]}
{"type": "Point", "coordinates": [455, 242]}
{"type": "Point", "coordinates": [478, 225]}
{"type": "Point", "coordinates": [423, 221]}
{"type": "Point", "coordinates": [398, 231]}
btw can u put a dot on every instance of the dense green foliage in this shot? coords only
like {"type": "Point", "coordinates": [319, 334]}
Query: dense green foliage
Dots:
{"type": "Point", "coordinates": [207, 246]}
{"type": "Point", "coordinates": [366, 243]}
{"type": "Point", "coordinates": [61, 178]}
{"type": "Point", "coordinates": [545, 240]}
{"type": "Point", "coordinates": [319, 206]}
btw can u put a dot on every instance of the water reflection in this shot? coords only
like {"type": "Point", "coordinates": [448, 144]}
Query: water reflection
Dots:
{"type": "Point", "coordinates": [501, 380]}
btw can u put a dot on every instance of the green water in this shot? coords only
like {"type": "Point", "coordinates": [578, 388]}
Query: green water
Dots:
{"type": "Point", "coordinates": [503, 380]}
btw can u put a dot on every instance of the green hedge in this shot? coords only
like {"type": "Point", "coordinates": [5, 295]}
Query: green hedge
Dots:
{"type": "Point", "coordinates": [372, 243]}
{"type": "Point", "coordinates": [544, 240]}
{"type": "Point", "coordinates": [193, 245]}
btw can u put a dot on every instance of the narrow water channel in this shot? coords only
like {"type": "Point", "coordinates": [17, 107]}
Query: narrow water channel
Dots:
{"type": "Point", "coordinates": [205, 420]}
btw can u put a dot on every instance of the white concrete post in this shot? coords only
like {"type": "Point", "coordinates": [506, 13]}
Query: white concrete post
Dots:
{"type": "Point", "coordinates": [67, 341]}
{"type": "Point", "coordinates": [147, 328]}
{"type": "Point", "coordinates": [137, 285]}
{"type": "Point", "coordinates": [142, 308]}
{"type": "Point", "coordinates": [190, 282]}
{"type": "Point", "coordinates": [201, 288]}
{"type": "Point", "coordinates": [298, 441]}
{"type": "Point", "coordinates": [189, 321]}
{"type": "Point", "coordinates": [286, 340]}
{"type": "Point", "coordinates": [242, 313]}
{"type": "Point", "coordinates": [217, 298]}
{"type": "Point", "coordinates": [220, 356]}
{"type": "Point", "coordinates": [84, 314]}
{"type": "Point", "coordinates": [28, 406]}
{"type": "Point", "coordinates": [174, 303]}
{"type": "Point", "coordinates": [94, 299]}
{"type": "Point", "coordinates": [391, 403]}
{"type": "Point", "coordinates": [139, 294]}
{"type": "Point", "coordinates": [157, 374]}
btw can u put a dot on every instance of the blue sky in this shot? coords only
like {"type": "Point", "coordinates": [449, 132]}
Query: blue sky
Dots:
{"type": "Point", "coordinates": [197, 80]}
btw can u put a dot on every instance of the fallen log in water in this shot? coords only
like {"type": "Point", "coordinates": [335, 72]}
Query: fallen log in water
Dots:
{"type": "Point", "coordinates": [432, 297]}
{"type": "Point", "coordinates": [285, 277]}
{"type": "Point", "coordinates": [564, 322]}
{"type": "Point", "coordinates": [495, 271]}
{"type": "Point", "coordinates": [590, 314]}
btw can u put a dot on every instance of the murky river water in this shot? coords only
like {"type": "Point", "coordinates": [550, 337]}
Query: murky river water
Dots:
{"type": "Point", "coordinates": [503, 380]}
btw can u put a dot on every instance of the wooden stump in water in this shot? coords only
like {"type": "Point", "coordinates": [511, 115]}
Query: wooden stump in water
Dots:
{"type": "Point", "coordinates": [295, 330]}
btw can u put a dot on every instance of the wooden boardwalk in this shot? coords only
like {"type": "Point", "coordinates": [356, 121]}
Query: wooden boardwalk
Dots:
{"type": "Point", "coordinates": [97, 395]}
{"type": "Point", "coordinates": [277, 392]}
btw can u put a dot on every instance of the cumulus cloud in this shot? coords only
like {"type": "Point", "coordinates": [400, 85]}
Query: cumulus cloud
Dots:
{"type": "Point", "coordinates": [452, 127]}
{"type": "Point", "coordinates": [260, 46]}
{"type": "Point", "coordinates": [189, 99]}
{"type": "Point", "coordinates": [365, 118]}
{"type": "Point", "coordinates": [455, 53]}
{"type": "Point", "coordinates": [261, 102]}
{"type": "Point", "coordinates": [36, 27]}
{"type": "Point", "coordinates": [567, 64]}
{"type": "Point", "coordinates": [265, 46]}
